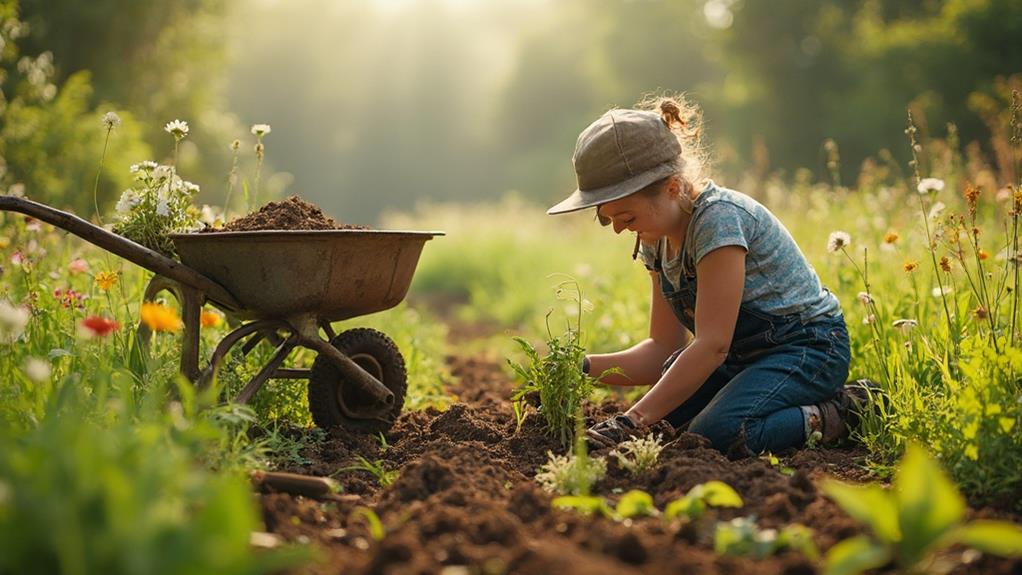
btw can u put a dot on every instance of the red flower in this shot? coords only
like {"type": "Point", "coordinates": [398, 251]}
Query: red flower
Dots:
{"type": "Point", "coordinates": [100, 326]}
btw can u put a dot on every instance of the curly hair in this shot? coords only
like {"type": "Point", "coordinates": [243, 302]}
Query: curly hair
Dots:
{"type": "Point", "coordinates": [685, 120]}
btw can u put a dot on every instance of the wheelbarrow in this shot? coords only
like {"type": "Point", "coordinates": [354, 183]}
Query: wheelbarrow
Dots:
{"type": "Point", "coordinates": [284, 287]}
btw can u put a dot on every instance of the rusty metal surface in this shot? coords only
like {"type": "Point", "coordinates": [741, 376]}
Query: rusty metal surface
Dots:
{"type": "Point", "coordinates": [333, 274]}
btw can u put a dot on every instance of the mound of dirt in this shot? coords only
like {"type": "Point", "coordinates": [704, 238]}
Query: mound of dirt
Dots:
{"type": "Point", "coordinates": [293, 213]}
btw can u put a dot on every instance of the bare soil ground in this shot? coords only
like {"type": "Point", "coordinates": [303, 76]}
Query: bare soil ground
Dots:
{"type": "Point", "coordinates": [466, 502]}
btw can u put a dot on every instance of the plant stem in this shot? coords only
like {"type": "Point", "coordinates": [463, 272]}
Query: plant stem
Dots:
{"type": "Point", "coordinates": [95, 186]}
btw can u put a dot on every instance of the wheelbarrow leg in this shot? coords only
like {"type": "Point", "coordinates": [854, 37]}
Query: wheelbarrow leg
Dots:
{"type": "Point", "coordinates": [190, 300]}
{"type": "Point", "coordinates": [231, 339]}
{"type": "Point", "coordinates": [271, 366]}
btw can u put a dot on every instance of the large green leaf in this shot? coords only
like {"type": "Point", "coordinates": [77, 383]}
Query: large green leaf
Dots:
{"type": "Point", "coordinates": [929, 504]}
{"type": "Point", "coordinates": [994, 537]}
{"type": "Point", "coordinates": [718, 494]}
{"type": "Point", "coordinates": [636, 503]}
{"type": "Point", "coordinates": [856, 555]}
{"type": "Point", "coordinates": [869, 504]}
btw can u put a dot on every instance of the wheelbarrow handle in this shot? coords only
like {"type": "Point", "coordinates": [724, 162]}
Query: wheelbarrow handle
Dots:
{"type": "Point", "coordinates": [121, 246]}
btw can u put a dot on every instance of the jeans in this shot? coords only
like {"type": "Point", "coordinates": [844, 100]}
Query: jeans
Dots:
{"type": "Point", "coordinates": [775, 365]}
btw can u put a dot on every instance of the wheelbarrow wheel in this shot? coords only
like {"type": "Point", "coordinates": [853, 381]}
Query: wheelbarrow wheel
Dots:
{"type": "Point", "coordinates": [336, 403]}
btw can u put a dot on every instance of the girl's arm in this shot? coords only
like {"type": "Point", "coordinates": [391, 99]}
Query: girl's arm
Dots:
{"type": "Point", "coordinates": [642, 362]}
{"type": "Point", "coordinates": [721, 280]}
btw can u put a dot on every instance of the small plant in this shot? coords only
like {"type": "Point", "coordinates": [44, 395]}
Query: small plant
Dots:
{"type": "Point", "coordinates": [158, 204]}
{"type": "Point", "coordinates": [693, 504]}
{"type": "Point", "coordinates": [376, 529]}
{"type": "Point", "coordinates": [571, 474]}
{"type": "Point", "coordinates": [640, 454]}
{"type": "Point", "coordinates": [776, 464]}
{"type": "Point", "coordinates": [741, 536]}
{"type": "Point", "coordinates": [635, 503]}
{"type": "Point", "coordinates": [557, 377]}
{"type": "Point", "coordinates": [920, 516]}
{"type": "Point", "coordinates": [384, 476]}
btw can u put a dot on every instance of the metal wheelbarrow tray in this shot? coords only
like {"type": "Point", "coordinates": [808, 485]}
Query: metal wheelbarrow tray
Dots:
{"type": "Point", "coordinates": [284, 287]}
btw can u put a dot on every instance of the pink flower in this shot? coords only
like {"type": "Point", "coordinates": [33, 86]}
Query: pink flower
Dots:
{"type": "Point", "coordinates": [78, 266]}
{"type": "Point", "coordinates": [70, 298]}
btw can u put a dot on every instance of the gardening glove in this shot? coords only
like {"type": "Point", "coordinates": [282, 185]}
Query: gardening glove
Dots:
{"type": "Point", "coordinates": [610, 432]}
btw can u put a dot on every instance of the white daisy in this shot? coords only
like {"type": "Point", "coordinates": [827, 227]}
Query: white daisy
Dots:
{"type": "Point", "coordinates": [177, 128]}
{"type": "Point", "coordinates": [927, 185]}
{"type": "Point", "coordinates": [260, 130]}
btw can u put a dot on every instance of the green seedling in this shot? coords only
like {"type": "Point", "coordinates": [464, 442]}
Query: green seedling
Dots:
{"type": "Point", "coordinates": [693, 504]}
{"type": "Point", "coordinates": [384, 476]}
{"type": "Point", "coordinates": [638, 455]}
{"type": "Point", "coordinates": [776, 464]}
{"type": "Point", "coordinates": [635, 503]}
{"type": "Point", "coordinates": [556, 378]}
{"type": "Point", "coordinates": [376, 529]}
{"type": "Point", "coordinates": [920, 516]}
{"type": "Point", "coordinates": [741, 536]}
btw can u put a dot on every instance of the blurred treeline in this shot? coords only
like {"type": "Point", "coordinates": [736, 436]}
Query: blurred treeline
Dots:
{"type": "Point", "coordinates": [376, 104]}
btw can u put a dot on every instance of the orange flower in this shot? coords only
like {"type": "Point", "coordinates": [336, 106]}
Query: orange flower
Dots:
{"type": "Point", "coordinates": [891, 237]}
{"type": "Point", "coordinates": [100, 326]}
{"type": "Point", "coordinates": [106, 280]}
{"type": "Point", "coordinates": [160, 318]}
{"type": "Point", "coordinates": [210, 319]}
{"type": "Point", "coordinates": [911, 266]}
{"type": "Point", "coordinates": [983, 254]}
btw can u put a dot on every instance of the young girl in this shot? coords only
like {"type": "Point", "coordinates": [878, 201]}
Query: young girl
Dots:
{"type": "Point", "coordinates": [745, 346]}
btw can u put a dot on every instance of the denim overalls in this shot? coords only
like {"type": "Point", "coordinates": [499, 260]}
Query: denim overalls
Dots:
{"type": "Point", "coordinates": [775, 364]}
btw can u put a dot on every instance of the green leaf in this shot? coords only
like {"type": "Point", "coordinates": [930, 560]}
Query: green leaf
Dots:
{"type": "Point", "coordinates": [690, 507]}
{"type": "Point", "coordinates": [855, 555]}
{"type": "Point", "coordinates": [636, 503]}
{"type": "Point", "coordinates": [869, 504]}
{"type": "Point", "coordinates": [994, 537]}
{"type": "Point", "coordinates": [720, 494]}
{"type": "Point", "coordinates": [376, 529]}
{"type": "Point", "coordinates": [929, 504]}
{"type": "Point", "coordinates": [585, 504]}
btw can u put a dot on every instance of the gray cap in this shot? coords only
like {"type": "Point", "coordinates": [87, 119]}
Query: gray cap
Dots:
{"type": "Point", "coordinates": [619, 154]}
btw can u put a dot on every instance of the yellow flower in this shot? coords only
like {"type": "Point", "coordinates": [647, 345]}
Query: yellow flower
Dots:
{"type": "Point", "coordinates": [972, 452]}
{"type": "Point", "coordinates": [210, 319]}
{"type": "Point", "coordinates": [160, 318]}
{"type": "Point", "coordinates": [106, 280]}
{"type": "Point", "coordinates": [891, 237]}
{"type": "Point", "coordinates": [911, 266]}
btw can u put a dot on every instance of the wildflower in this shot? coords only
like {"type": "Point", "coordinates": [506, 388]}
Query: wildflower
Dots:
{"type": "Point", "coordinates": [891, 237]}
{"type": "Point", "coordinates": [940, 291]}
{"type": "Point", "coordinates": [69, 298]}
{"type": "Point", "coordinates": [260, 130]}
{"type": "Point", "coordinates": [210, 216]}
{"type": "Point", "coordinates": [177, 128]}
{"type": "Point", "coordinates": [982, 254]}
{"type": "Point", "coordinates": [95, 325]}
{"type": "Point", "coordinates": [160, 318]}
{"type": "Point", "coordinates": [869, 319]}
{"type": "Point", "coordinates": [189, 188]}
{"type": "Point", "coordinates": [78, 266]}
{"type": "Point", "coordinates": [945, 264]}
{"type": "Point", "coordinates": [980, 312]}
{"type": "Point", "coordinates": [106, 280]}
{"type": "Point", "coordinates": [927, 185]}
{"type": "Point", "coordinates": [129, 199]}
{"type": "Point", "coordinates": [210, 319]}
{"type": "Point", "coordinates": [838, 240]}
{"type": "Point", "coordinates": [259, 148]}
{"type": "Point", "coordinates": [5, 242]}
{"type": "Point", "coordinates": [936, 210]}
{"type": "Point", "coordinates": [33, 225]}
{"type": "Point", "coordinates": [162, 172]}
{"type": "Point", "coordinates": [111, 120]}
{"type": "Point", "coordinates": [13, 320]}
{"type": "Point", "coordinates": [143, 166]}
{"type": "Point", "coordinates": [163, 207]}
{"type": "Point", "coordinates": [905, 325]}
{"type": "Point", "coordinates": [38, 370]}
{"type": "Point", "coordinates": [911, 266]}
{"type": "Point", "coordinates": [865, 298]}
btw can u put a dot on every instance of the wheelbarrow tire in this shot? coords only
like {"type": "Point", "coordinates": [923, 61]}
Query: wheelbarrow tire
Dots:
{"type": "Point", "coordinates": [373, 351]}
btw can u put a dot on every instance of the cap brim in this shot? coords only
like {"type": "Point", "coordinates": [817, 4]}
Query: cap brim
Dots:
{"type": "Point", "coordinates": [582, 199]}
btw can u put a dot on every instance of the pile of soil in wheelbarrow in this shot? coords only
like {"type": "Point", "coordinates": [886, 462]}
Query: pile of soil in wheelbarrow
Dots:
{"type": "Point", "coordinates": [293, 213]}
{"type": "Point", "coordinates": [465, 499]}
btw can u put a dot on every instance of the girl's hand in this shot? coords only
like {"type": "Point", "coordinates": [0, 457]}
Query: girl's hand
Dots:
{"type": "Point", "coordinates": [612, 431]}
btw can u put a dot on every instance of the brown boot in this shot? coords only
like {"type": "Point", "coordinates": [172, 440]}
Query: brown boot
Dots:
{"type": "Point", "coordinates": [842, 413]}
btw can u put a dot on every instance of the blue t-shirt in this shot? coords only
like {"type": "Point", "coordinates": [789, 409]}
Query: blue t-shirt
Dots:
{"type": "Point", "coordinates": [778, 278]}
